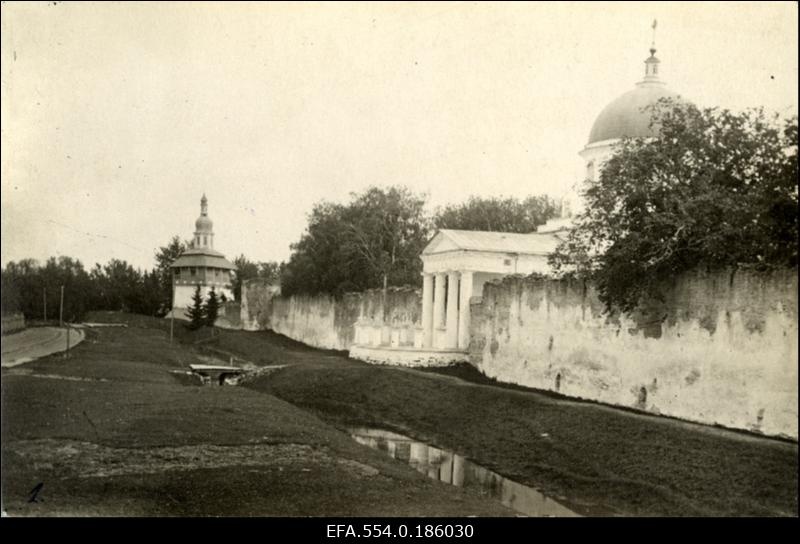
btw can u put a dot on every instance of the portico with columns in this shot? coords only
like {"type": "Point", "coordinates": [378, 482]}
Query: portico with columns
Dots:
{"type": "Point", "coordinates": [456, 265]}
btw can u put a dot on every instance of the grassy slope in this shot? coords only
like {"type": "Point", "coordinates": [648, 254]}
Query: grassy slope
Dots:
{"type": "Point", "coordinates": [111, 432]}
{"type": "Point", "coordinates": [603, 460]}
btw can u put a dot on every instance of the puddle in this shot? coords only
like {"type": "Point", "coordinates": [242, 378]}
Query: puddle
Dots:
{"type": "Point", "coordinates": [454, 469]}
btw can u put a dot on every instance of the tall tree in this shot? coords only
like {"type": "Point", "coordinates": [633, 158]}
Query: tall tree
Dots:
{"type": "Point", "coordinates": [165, 256]}
{"type": "Point", "coordinates": [373, 241]}
{"type": "Point", "coordinates": [497, 214]}
{"type": "Point", "coordinates": [247, 269]}
{"type": "Point", "coordinates": [715, 188]}
{"type": "Point", "coordinates": [211, 308]}
{"type": "Point", "coordinates": [197, 312]}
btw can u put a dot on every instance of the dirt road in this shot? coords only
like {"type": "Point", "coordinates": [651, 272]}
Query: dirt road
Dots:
{"type": "Point", "coordinates": [33, 343]}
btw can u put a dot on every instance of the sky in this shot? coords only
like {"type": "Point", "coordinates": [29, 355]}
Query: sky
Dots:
{"type": "Point", "coordinates": [117, 117]}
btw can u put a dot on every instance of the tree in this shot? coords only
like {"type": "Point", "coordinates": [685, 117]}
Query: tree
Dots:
{"type": "Point", "coordinates": [247, 269]}
{"type": "Point", "coordinates": [211, 308]}
{"type": "Point", "coordinates": [197, 312]}
{"type": "Point", "coordinates": [497, 214]}
{"type": "Point", "coordinates": [165, 256]}
{"type": "Point", "coordinates": [714, 188]}
{"type": "Point", "coordinates": [375, 240]}
{"type": "Point", "coordinates": [119, 286]}
{"type": "Point", "coordinates": [23, 289]}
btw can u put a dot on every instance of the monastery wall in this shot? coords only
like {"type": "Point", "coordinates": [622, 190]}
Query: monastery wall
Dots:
{"type": "Point", "coordinates": [323, 321]}
{"type": "Point", "coordinates": [721, 349]}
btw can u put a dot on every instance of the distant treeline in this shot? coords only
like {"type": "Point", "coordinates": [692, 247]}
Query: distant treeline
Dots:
{"type": "Point", "coordinates": [29, 286]}
{"type": "Point", "coordinates": [372, 241]}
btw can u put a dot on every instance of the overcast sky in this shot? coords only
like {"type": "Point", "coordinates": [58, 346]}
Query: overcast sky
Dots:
{"type": "Point", "coordinates": [117, 117]}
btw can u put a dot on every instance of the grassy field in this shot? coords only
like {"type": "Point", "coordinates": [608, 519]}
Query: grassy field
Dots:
{"type": "Point", "coordinates": [112, 431]}
{"type": "Point", "coordinates": [595, 459]}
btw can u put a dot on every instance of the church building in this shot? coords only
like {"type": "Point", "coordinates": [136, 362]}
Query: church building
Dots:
{"type": "Point", "coordinates": [457, 263]}
{"type": "Point", "coordinates": [200, 265]}
{"type": "Point", "coordinates": [627, 116]}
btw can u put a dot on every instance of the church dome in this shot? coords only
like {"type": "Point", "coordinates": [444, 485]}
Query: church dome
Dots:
{"type": "Point", "coordinates": [203, 224]}
{"type": "Point", "coordinates": [626, 116]}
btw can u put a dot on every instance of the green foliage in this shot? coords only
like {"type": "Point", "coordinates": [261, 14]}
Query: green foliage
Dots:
{"type": "Point", "coordinates": [197, 312]}
{"type": "Point", "coordinates": [374, 240]}
{"type": "Point", "coordinates": [117, 286]}
{"type": "Point", "coordinates": [165, 256]}
{"type": "Point", "coordinates": [246, 269]}
{"type": "Point", "coordinates": [498, 214]}
{"type": "Point", "coordinates": [211, 308]}
{"type": "Point", "coordinates": [26, 283]}
{"type": "Point", "coordinates": [715, 188]}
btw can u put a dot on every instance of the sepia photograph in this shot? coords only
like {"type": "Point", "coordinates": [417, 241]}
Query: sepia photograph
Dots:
{"type": "Point", "coordinates": [407, 265]}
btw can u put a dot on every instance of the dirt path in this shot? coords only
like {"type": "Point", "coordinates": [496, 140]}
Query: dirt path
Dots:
{"type": "Point", "coordinates": [33, 343]}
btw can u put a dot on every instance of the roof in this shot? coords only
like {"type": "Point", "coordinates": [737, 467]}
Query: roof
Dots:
{"type": "Point", "coordinates": [203, 257]}
{"type": "Point", "coordinates": [626, 117]}
{"type": "Point", "coordinates": [535, 243]}
{"type": "Point", "coordinates": [204, 224]}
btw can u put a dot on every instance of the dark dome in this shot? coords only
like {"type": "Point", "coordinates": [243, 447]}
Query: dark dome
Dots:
{"type": "Point", "coordinates": [625, 116]}
{"type": "Point", "coordinates": [203, 224]}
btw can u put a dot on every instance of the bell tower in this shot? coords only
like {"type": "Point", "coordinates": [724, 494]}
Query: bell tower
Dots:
{"type": "Point", "coordinates": [203, 228]}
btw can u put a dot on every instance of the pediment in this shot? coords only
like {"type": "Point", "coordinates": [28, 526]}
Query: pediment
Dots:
{"type": "Point", "coordinates": [440, 244]}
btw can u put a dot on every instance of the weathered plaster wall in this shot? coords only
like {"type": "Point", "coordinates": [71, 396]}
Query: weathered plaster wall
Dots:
{"type": "Point", "coordinates": [311, 320]}
{"type": "Point", "coordinates": [323, 321]}
{"type": "Point", "coordinates": [721, 349]}
{"type": "Point", "coordinates": [230, 316]}
{"type": "Point", "coordinates": [255, 305]}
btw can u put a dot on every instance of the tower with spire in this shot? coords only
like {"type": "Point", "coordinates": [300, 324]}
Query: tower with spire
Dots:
{"type": "Point", "coordinates": [200, 265]}
{"type": "Point", "coordinates": [203, 227]}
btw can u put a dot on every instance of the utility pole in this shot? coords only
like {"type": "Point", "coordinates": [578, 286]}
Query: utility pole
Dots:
{"type": "Point", "coordinates": [61, 310]}
{"type": "Point", "coordinates": [66, 354]}
{"type": "Point", "coordinates": [172, 310]}
{"type": "Point", "coordinates": [44, 294]}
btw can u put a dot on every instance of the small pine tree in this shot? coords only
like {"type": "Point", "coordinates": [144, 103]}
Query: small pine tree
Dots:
{"type": "Point", "coordinates": [211, 308]}
{"type": "Point", "coordinates": [197, 313]}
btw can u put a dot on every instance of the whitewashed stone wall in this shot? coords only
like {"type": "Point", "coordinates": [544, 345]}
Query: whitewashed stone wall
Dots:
{"type": "Point", "coordinates": [326, 322]}
{"type": "Point", "coordinates": [722, 349]}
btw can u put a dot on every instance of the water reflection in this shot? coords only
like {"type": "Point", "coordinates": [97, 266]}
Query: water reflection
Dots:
{"type": "Point", "coordinates": [453, 469]}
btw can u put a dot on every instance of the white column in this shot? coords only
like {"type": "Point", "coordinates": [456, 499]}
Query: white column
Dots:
{"type": "Point", "coordinates": [452, 310]}
{"type": "Point", "coordinates": [427, 310]}
{"type": "Point", "coordinates": [458, 470]}
{"type": "Point", "coordinates": [438, 301]}
{"type": "Point", "coordinates": [465, 289]}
